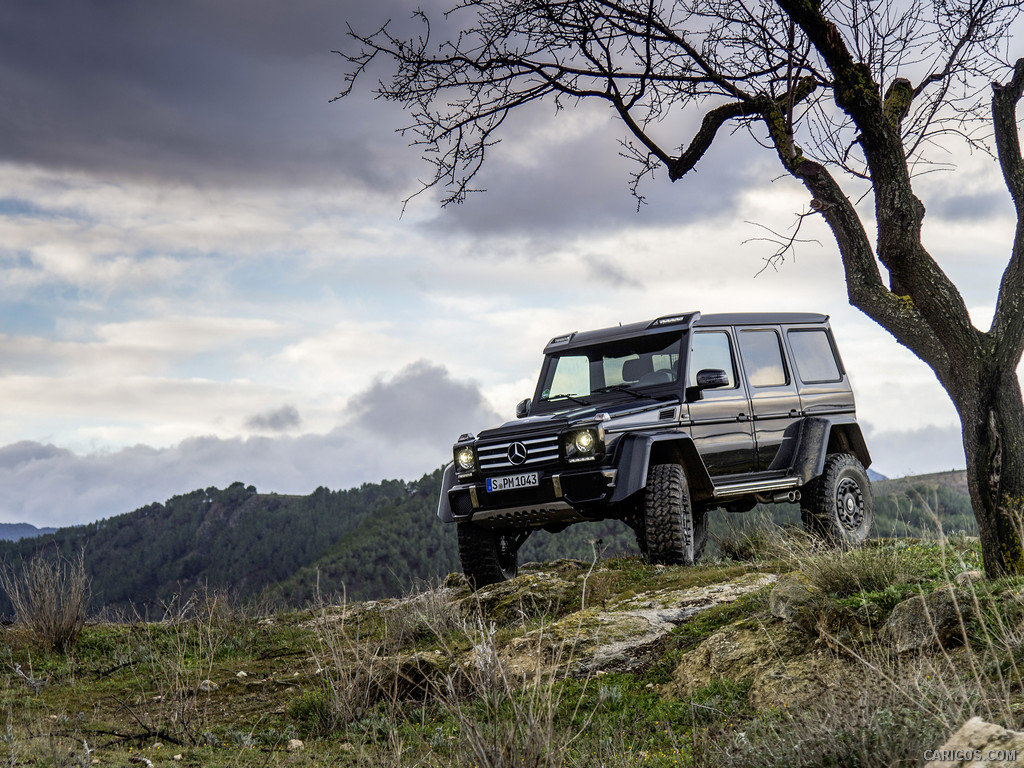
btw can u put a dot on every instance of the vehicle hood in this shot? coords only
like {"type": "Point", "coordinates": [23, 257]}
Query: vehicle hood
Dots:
{"type": "Point", "coordinates": [557, 420]}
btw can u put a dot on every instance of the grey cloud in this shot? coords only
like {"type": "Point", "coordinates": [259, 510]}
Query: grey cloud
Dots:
{"type": "Point", "coordinates": [422, 402]}
{"type": "Point", "coordinates": [280, 420]}
{"type": "Point", "coordinates": [972, 207]}
{"type": "Point", "coordinates": [579, 184]}
{"type": "Point", "coordinates": [896, 453]}
{"type": "Point", "coordinates": [235, 92]}
{"type": "Point", "coordinates": [25, 452]}
{"type": "Point", "coordinates": [218, 91]}
{"type": "Point", "coordinates": [401, 427]}
{"type": "Point", "coordinates": [605, 270]}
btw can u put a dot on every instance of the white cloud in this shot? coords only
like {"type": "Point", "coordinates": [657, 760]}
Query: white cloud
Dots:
{"type": "Point", "coordinates": [398, 427]}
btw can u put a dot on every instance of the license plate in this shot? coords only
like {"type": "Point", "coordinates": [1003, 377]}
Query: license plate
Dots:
{"type": "Point", "coordinates": [510, 482]}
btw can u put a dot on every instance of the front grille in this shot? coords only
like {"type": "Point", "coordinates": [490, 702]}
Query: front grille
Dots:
{"type": "Point", "coordinates": [539, 450]}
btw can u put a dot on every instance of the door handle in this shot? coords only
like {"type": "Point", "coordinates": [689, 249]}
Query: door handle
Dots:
{"type": "Point", "coordinates": [741, 417]}
{"type": "Point", "coordinates": [793, 413]}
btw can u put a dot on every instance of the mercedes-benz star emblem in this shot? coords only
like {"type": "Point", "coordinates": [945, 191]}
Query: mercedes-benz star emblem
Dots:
{"type": "Point", "coordinates": [517, 453]}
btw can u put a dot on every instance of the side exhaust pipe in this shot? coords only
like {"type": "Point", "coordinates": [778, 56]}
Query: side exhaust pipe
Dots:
{"type": "Point", "coordinates": [783, 497]}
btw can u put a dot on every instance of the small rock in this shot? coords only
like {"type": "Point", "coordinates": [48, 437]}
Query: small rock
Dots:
{"type": "Point", "coordinates": [968, 577]}
{"type": "Point", "coordinates": [795, 600]}
{"type": "Point", "coordinates": [294, 745]}
{"type": "Point", "coordinates": [870, 615]}
{"type": "Point", "coordinates": [178, 756]}
{"type": "Point", "coordinates": [241, 675]}
{"type": "Point", "coordinates": [976, 737]}
{"type": "Point", "coordinates": [920, 623]}
{"type": "Point", "coordinates": [455, 581]}
{"type": "Point", "coordinates": [208, 685]}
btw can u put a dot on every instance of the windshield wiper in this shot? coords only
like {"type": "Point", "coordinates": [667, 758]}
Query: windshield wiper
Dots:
{"type": "Point", "coordinates": [568, 397]}
{"type": "Point", "coordinates": [622, 388]}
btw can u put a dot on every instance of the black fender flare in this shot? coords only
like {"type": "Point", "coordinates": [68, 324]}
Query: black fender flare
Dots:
{"type": "Point", "coordinates": [822, 435]}
{"type": "Point", "coordinates": [444, 508]}
{"type": "Point", "coordinates": [637, 451]}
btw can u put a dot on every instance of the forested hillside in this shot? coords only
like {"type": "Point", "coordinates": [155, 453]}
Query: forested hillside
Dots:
{"type": "Point", "coordinates": [378, 540]}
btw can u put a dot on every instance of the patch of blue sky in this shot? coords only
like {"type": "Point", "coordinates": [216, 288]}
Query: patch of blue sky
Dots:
{"type": "Point", "coordinates": [16, 207]}
{"type": "Point", "coordinates": [25, 318]}
{"type": "Point", "coordinates": [292, 287]}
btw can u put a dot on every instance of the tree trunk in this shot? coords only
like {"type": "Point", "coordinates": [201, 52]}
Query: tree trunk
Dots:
{"type": "Point", "coordinates": [992, 418]}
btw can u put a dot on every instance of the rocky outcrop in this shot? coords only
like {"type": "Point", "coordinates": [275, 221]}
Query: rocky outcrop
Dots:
{"type": "Point", "coordinates": [562, 618]}
{"type": "Point", "coordinates": [624, 634]}
{"type": "Point", "coordinates": [799, 603]}
{"type": "Point", "coordinates": [530, 595]}
{"type": "Point", "coordinates": [784, 668]}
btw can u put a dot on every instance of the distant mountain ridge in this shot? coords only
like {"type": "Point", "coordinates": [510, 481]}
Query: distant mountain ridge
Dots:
{"type": "Point", "coordinates": [17, 531]}
{"type": "Point", "coordinates": [377, 540]}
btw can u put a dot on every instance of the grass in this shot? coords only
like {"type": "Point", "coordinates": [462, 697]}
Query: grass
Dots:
{"type": "Point", "coordinates": [430, 680]}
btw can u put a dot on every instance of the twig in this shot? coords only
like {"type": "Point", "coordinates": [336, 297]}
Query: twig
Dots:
{"type": "Point", "coordinates": [597, 546]}
{"type": "Point", "coordinates": [35, 685]}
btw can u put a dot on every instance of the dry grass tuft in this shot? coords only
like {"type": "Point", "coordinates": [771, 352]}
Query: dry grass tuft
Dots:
{"type": "Point", "coordinates": [50, 596]}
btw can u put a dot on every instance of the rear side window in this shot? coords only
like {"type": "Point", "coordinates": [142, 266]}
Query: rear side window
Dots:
{"type": "Point", "coordinates": [815, 360]}
{"type": "Point", "coordinates": [762, 358]}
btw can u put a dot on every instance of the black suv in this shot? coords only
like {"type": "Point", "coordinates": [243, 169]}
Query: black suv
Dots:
{"type": "Point", "coordinates": [654, 424]}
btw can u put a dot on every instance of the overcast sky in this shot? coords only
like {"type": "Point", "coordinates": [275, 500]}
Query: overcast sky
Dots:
{"type": "Point", "coordinates": [205, 275]}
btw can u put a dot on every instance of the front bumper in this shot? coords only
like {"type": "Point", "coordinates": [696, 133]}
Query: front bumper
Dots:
{"type": "Point", "coordinates": [560, 498]}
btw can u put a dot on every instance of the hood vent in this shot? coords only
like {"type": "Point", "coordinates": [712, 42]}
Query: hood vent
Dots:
{"type": "Point", "coordinates": [667, 414]}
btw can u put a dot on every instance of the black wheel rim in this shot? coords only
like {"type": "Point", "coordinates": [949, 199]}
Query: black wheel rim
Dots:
{"type": "Point", "coordinates": [850, 504]}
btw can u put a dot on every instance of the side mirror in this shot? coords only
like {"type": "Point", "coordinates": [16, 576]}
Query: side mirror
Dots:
{"type": "Point", "coordinates": [707, 378]}
{"type": "Point", "coordinates": [523, 408]}
{"type": "Point", "coordinates": [712, 378]}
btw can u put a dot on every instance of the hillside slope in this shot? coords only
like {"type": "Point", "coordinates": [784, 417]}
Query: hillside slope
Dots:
{"type": "Point", "coordinates": [794, 659]}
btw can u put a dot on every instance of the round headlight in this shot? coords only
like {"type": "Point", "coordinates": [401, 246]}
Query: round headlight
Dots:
{"type": "Point", "coordinates": [464, 458]}
{"type": "Point", "coordinates": [584, 442]}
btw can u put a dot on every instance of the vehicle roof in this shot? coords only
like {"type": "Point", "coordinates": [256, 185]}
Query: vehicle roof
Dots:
{"type": "Point", "coordinates": [679, 322]}
{"type": "Point", "coordinates": [761, 318]}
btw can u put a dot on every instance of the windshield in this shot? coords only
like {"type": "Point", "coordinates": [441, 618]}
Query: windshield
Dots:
{"type": "Point", "coordinates": [621, 368]}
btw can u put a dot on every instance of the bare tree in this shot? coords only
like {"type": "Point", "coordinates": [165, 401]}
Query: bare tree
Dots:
{"type": "Point", "coordinates": [852, 95]}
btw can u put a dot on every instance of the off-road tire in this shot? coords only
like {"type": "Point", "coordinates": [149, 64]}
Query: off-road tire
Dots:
{"type": "Point", "coordinates": [837, 507]}
{"type": "Point", "coordinates": [487, 556]}
{"type": "Point", "coordinates": [636, 521]}
{"type": "Point", "coordinates": [674, 533]}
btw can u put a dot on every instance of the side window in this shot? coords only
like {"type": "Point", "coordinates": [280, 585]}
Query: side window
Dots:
{"type": "Point", "coordinates": [711, 350]}
{"type": "Point", "coordinates": [762, 358]}
{"type": "Point", "coordinates": [815, 360]}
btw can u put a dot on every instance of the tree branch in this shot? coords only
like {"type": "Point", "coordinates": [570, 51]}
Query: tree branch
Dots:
{"type": "Point", "coordinates": [717, 117]}
{"type": "Point", "coordinates": [1004, 118]}
{"type": "Point", "coordinates": [1008, 323]}
{"type": "Point", "coordinates": [864, 284]}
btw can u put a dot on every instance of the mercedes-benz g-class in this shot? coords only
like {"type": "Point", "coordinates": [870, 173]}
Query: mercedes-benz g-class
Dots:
{"type": "Point", "coordinates": [656, 423]}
